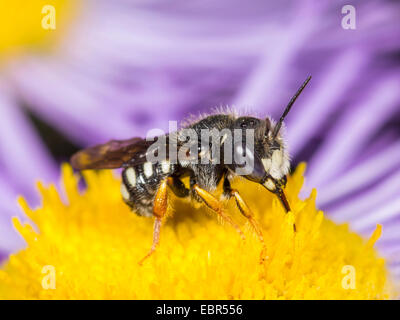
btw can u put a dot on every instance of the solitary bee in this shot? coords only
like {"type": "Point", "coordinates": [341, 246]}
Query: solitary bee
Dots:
{"type": "Point", "coordinates": [146, 177]}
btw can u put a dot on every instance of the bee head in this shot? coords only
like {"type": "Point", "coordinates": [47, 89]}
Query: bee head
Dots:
{"type": "Point", "coordinates": [263, 150]}
{"type": "Point", "coordinates": [267, 153]}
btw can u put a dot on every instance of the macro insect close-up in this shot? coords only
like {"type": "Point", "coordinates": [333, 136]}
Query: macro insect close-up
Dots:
{"type": "Point", "coordinates": [145, 183]}
{"type": "Point", "coordinates": [179, 150]}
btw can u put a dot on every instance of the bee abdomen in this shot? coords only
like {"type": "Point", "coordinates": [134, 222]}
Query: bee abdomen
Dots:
{"type": "Point", "coordinates": [140, 184]}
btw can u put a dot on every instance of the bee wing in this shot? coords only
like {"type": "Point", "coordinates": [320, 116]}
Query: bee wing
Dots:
{"type": "Point", "coordinates": [111, 155]}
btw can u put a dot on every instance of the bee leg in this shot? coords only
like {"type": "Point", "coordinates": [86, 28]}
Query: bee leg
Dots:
{"type": "Point", "coordinates": [278, 190]}
{"type": "Point", "coordinates": [159, 209]}
{"type": "Point", "coordinates": [285, 203]}
{"type": "Point", "coordinates": [178, 187]}
{"type": "Point", "coordinates": [215, 205]}
{"type": "Point", "coordinates": [246, 212]}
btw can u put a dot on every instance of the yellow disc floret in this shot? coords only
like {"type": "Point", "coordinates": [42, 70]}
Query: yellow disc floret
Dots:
{"type": "Point", "coordinates": [87, 245]}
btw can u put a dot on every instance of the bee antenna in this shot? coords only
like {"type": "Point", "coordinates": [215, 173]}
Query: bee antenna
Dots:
{"type": "Point", "coordinates": [288, 107]}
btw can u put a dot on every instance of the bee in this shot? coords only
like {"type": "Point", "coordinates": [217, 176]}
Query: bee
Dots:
{"type": "Point", "coordinates": [147, 177]}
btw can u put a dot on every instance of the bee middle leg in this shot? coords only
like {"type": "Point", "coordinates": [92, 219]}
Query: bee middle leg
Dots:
{"type": "Point", "coordinates": [247, 213]}
{"type": "Point", "coordinates": [178, 187]}
{"type": "Point", "coordinates": [216, 205]}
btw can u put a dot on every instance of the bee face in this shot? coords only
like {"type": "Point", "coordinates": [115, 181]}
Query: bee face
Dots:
{"type": "Point", "coordinates": [275, 158]}
{"type": "Point", "coordinates": [270, 157]}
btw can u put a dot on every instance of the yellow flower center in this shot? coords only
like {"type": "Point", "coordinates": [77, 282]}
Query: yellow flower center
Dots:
{"type": "Point", "coordinates": [25, 25]}
{"type": "Point", "coordinates": [89, 246]}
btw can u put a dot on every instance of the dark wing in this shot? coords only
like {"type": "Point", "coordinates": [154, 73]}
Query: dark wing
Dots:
{"type": "Point", "coordinates": [111, 155]}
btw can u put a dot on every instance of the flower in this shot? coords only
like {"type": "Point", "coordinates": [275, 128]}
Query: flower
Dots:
{"type": "Point", "coordinates": [24, 156]}
{"type": "Point", "coordinates": [118, 68]}
{"type": "Point", "coordinates": [93, 243]}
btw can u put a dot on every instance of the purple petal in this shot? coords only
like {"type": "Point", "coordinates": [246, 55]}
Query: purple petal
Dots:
{"type": "Point", "coordinates": [308, 117]}
{"type": "Point", "coordinates": [363, 174]}
{"type": "Point", "coordinates": [23, 156]}
{"type": "Point", "coordinates": [376, 197]}
{"type": "Point", "coordinates": [357, 125]}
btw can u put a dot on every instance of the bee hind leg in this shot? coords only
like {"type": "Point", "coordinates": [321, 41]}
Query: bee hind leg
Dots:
{"type": "Point", "coordinates": [159, 209]}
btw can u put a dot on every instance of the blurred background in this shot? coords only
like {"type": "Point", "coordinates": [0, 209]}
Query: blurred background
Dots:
{"type": "Point", "coordinates": [76, 73]}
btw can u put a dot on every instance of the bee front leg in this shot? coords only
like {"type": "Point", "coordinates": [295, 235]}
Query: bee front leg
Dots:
{"type": "Point", "coordinates": [215, 205]}
{"type": "Point", "coordinates": [246, 212]}
{"type": "Point", "coordinates": [276, 187]}
{"type": "Point", "coordinates": [159, 209]}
